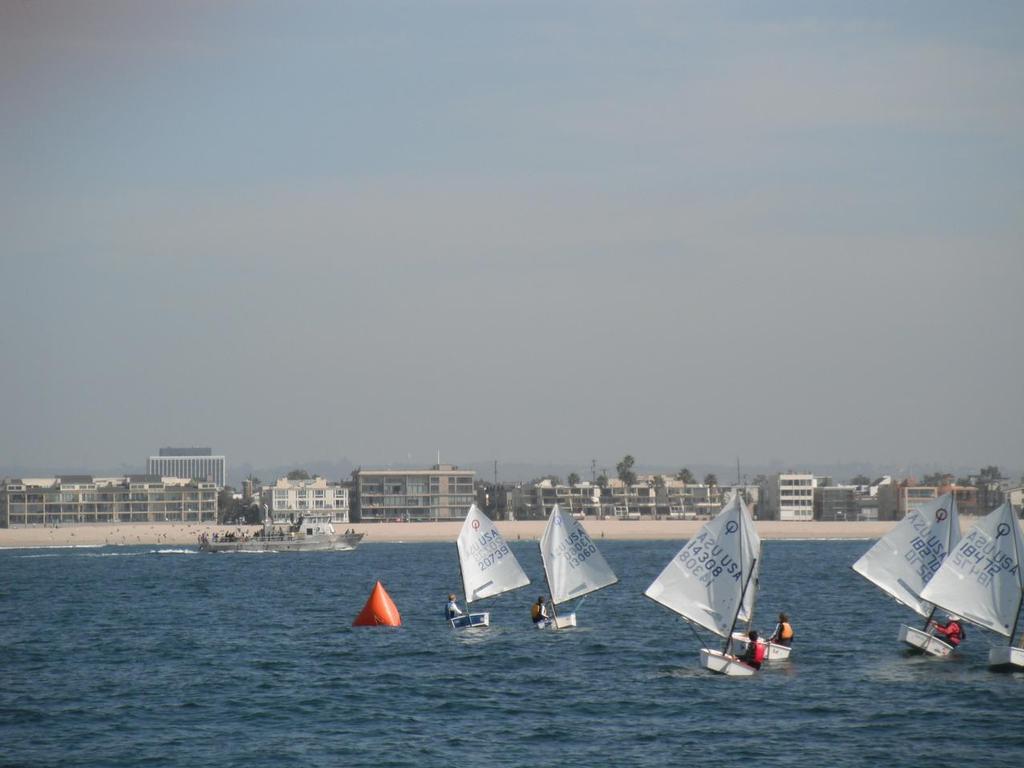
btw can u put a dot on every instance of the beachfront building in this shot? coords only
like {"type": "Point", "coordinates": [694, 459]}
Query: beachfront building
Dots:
{"type": "Point", "coordinates": [443, 492]}
{"type": "Point", "coordinates": [288, 500]}
{"type": "Point", "coordinates": [636, 501]}
{"type": "Point", "coordinates": [82, 499]}
{"type": "Point", "coordinates": [196, 463]}
{"type": "Point", "coordinates": [534, 501]}
{"type": "Point", "coordinates": [914, 496]}
{"type": "Point", "coordinates": [1016, 498]}
{"type": "Point", "coordinates": [788, 496]}
{"type": "Point", "coordinates": [837, 502]}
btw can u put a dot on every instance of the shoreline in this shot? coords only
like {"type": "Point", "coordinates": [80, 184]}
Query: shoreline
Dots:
{"type": "Point", "coordinates": [187, 534]}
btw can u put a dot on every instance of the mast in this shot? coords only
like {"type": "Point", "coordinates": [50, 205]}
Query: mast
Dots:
{"type": "Point", "coordinates": [462, 576]}
{"type": "Point", "coordinates": [728, 640]}
{"type": "Point", "coordinates": [554, 612]}
{"type": "Point", "coordinates": [753, 564]}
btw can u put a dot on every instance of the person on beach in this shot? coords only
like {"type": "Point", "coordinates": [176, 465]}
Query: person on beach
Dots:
{"type": "Point", "coordinates": [951, 631]}
{"type": "Point", "coordinates": [539, 611]}
{"type": "Point", "coordinates": [783, 634]}
{"type": "Point", "coordinates": [754, 655]}
{"type": "Point", "coordinates": [452, 610]}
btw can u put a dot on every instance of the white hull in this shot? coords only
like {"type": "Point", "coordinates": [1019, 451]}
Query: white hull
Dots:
{"type": "Point", "coordinates": [921, 641]}
{"type": "Point", "coordinates": [772, 651]}
{"type": "Point", "coordinates": [1006, 657]}
{"type": "Point", "coordinates": [470, 620]}
{"type": "Point", "coordinates": [716, 661]}
{"type": "Point", "coordinates": [564, 621]}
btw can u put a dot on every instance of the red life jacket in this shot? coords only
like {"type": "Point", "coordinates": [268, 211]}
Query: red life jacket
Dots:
{"type": "Point", "coordinates": [759, 650]}
{"type": "Point", "coordinates": [953, 633]}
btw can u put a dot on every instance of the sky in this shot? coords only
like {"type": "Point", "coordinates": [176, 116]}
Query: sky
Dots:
{"type": "Point", "coordinates": [788, 231]}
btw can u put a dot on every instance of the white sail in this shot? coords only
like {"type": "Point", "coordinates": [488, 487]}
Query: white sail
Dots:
{"type": "Point", "coordinates": [572, 564]}
{"type": "Point", "coordinates": [704, 582]}
{"type": "Point", "coordinates": [981, 580]}
{"type": "Point", "coordinates": [906, 558]}
{"type": "Point", "coordinates": [488, 565]}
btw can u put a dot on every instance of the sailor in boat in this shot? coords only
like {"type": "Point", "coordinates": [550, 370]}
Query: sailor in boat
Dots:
{"type": "Point", "coordinates": [452, 610]}
{"type": "Point", "coordinates": [783, 634]}
{"type": "Point", "coordinates": [951, 631]}
{"type": "Point", "coordinates": [539, 611]}
{"type": "Point", "coordinates": [754, 655]}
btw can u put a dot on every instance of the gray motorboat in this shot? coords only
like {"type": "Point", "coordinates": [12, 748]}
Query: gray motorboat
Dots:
{"type": "Point", "coordinates": [311, 533]}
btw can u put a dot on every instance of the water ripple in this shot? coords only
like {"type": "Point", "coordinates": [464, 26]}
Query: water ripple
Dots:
{"type": "Point", "coordinates": [135, 656]}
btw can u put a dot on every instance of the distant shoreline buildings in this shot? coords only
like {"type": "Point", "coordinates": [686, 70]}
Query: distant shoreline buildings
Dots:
{"type": "Point", "coordinates": [84, 499]}
{"type": "Point", "coordinates": [187, 485]}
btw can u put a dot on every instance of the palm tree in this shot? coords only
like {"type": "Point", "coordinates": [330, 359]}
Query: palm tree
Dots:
{"type": "Point", "coordinates": [625, 470]}
{"type": "Point", "coordinates": [686, 476]}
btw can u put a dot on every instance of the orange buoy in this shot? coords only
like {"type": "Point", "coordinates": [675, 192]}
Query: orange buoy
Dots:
{"type": "Point", "coordinates": [379, 611]}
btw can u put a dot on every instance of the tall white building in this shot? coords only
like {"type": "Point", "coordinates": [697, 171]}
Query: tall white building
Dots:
{"type": "Point", "coordinates": [195, 463]}
{"type": "Point", "coordinates": [789, 496]}
{"type": "Point", "coordinates": [290, 499]}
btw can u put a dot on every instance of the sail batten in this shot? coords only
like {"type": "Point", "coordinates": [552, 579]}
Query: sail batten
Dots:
{"type": "Point", "coordinates": [573, 565]}
{"type": "Point", "coordinates": [705, 582]}
{"type": "Point", "coordinates": [981, 580]}
{"type": "Point", "coordinates": [903, 561]}
{"type": "Point", "coordinates": [488, 566]}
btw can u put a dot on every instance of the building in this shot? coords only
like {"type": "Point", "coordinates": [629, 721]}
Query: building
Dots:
{"type": "Point", "coordinates": [290, 499]}
{"type": "Point", "coordinates": [967, 499]}
{"type": "Point", "coordinates": [443, 492]}
{"type": "Point", "coordinates": [788, 496]}
{"type": "Point", "coordinates": [1016, 498]}
{"type": "Point", "coordinates": [914, 496]}
{"type": "Point", "coordinates": [837, 502]}
{"type": "Point", "coordinates": [534, 501]}
{"type": "Point", "coordinates": [82, 499]}
{"type": "Point", "coordinates": [196, 463]}
{"type": "Point", "coordinates": [886, 493]}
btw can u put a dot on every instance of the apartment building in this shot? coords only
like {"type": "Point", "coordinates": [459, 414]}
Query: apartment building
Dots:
{"type": "Point", "coordinates": [837, 502]}
{"type": "Point", "coordinates": [82, 499]}
{"type": "Point", "coordinates": [443, 492]}
{"type": "Point", "coordinates": [290, 499]}
{"type": "Point", "coordinates": [788, 496]}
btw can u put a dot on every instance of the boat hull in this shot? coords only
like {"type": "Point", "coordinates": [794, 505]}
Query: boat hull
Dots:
{"type": "Point", "coordinates": [923, 642]}
{"type": "Point", "coordinates": [1006, 658]}
{"type": "Point", "coordinates": [336, 543]}
{"type": "Point", "coordinates": [470, 620]}
{"type": "Point", "coordinates": [719, 663]}
{"type": "Point", "coordinates": [772, 651]}
{"type": "Point", "coordinates": [564, 621]}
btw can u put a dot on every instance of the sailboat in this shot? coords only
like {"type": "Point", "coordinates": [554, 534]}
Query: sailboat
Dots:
{"type": "Point", "coordinates": [710, 582]}
{"type": "Point", "coordinates": [573, 568]}
{"type": "Point", "coordinates": [487, 565]}
{"type": "Point", "coordinates": [981, 581]}
{"type": "Point", "coordinates": [903, 561]}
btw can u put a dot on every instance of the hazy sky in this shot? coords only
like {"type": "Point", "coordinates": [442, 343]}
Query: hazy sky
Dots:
{"type": "Point", "coordinates": [523, 231]}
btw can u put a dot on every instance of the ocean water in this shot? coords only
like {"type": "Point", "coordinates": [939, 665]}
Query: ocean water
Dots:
{"type": "Point", "coordinates": [148, 657]}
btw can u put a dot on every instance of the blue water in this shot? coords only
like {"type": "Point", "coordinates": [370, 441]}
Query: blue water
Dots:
{"type": "Point", "coordinates": [133, 657]}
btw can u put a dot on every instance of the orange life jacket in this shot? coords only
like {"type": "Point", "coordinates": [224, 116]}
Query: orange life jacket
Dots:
{"type": "Point", "coordinates": [785, 631]}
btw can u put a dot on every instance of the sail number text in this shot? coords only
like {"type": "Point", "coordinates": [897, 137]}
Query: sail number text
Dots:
{"type": "Point", "coordinates": [707, 560]}
{"type": "Point", "coordinates": [489, 548]}
{"type": "Point", "coordinates": [927, 554]}
{"type": "Point", "coordinates": [576, 548]}
{"type": "Point", "coordinates": [979, 556]}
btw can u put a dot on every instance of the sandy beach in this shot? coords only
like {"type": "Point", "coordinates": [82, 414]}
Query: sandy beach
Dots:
{"type": "Point", "coordinates": [171, 534]}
